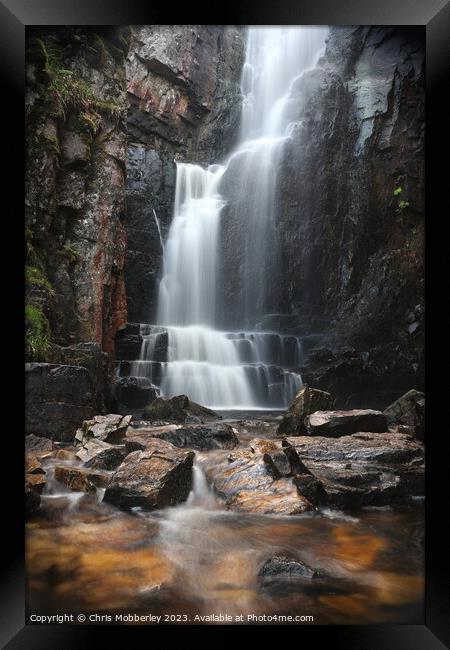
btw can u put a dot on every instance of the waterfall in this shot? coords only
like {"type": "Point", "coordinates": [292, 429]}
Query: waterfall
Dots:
{"type": "Point", "coordinates": [249, 368]}
{"type": "Point", "coordinates": [158, 227]}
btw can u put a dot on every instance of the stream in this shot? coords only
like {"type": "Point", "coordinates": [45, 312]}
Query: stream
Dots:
{"type": "Point", "coordinates": [199, 559]}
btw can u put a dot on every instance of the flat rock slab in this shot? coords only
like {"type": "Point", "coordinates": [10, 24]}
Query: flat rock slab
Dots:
{"type": "Point", "coordinates": [194, 436]}
{"type": "Point", "coordinates": [362, 469]}
{"type": "Point", "coordinates": [342, 423]}
{"type": "Point", "coordinates": [80, 479]}
{"type": "Point", "coordinates": [153, 478]}
{"type": "Point", "coordinates": [98, 454]}
{"type": "Point", "coordinates": [109, 428]}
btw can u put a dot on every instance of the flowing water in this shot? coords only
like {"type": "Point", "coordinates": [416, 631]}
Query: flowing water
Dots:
{"type": "Point", "coordinates": [215, 367]}
{"type": "Point", "coordinates": [200, 559]}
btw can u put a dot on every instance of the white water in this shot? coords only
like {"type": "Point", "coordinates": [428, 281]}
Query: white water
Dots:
{"type": "Point", "coordinates": [158, 226]}
{"type": "Point", "coordinates": [205, 363]}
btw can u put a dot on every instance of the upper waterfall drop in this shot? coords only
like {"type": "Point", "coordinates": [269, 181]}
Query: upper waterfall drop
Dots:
{"type": "Point", "coordinates": [217, 368]}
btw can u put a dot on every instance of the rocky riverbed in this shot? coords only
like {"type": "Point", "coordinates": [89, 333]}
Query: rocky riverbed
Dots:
{"type": "Point", "coordinates": [228, 516]}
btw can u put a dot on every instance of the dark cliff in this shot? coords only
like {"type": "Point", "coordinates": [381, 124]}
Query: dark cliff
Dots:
{"type": "Point", "coordinates": [109, 110]}
{"type": "Point", "coordinates": [184, 104]}
{"type": "Point", "coordinates": [347, 258]}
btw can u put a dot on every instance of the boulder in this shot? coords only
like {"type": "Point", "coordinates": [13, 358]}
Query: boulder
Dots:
{"type": "Point", "coordinates": [98, 454]}
{"type": "Point", "coordinates": [340, 423]}
{"type": "Point", "coordinates": [307, 401]}
{"type": "Point", "coordinates": [285, 568]}
{"type": "Point", "coordinates": [79, 479]}
{"type": "Point", "coordinates": [157, 477]}
{"type": "Point", "coordinates": [58, 399]}
{"type": "Point", "coordinates": [408, 410]}
{"type": "Point", "coordinates": [178, 409]}
{"type": "Point", "coordinates": [134, 392]}
{"type": "Point", "coordinates": [216, 436]}
{"type": "Point", "coordinates": [37, 444]}
{"type": "Point", "coordinates": [109, 428]}
{"type": "Point", "coordinates": [362, 469]}
{"type": "Point", "coordinates": [32, 465]}
{"type": "Point", "coordinates": [243, 481]}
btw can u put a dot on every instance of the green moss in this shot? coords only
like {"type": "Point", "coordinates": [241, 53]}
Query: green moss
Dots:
{"type": "Point", "coordinates": [51, 143]}
{"type": "Point", "coordinates": [37, 336]}
{"type": "Point", "coordinates": [70, 252]}
{"type": "Point", "coordinates": [402, 204]}
{"type": "Point", "coordinates": [35, 277]}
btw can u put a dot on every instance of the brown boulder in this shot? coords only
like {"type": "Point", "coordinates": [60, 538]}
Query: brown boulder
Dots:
{"type": "Point", "coordinates": [80, 480]}
{"type": "Point", "coordinates": [178, 409]}
{"type": "Point", "coordinates": [307, 401]}
{"type": "Point", "coordinates": [157, 477]}
{"type": "Point", "coordinates": [98, 454]}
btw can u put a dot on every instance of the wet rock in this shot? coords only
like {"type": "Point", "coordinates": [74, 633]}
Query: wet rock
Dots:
{"type": "Point", "coordinates": [338, 423]}
{"type": "Point", "coordinates": [157, 477]}
{"type": "Point", "coordinates": [263, 446]}
{"type": "Point", "coordinates": [409, 411]}
{"type": "Point", "coordinates": [243, 481]}
{"type": "Point", "coordinates": [128, 342]}
{"type": "Point", "coordinates": [277, 463]}
{"type": "Point", "coordinates": [285, 568]}
{"type": "Point", "coordinates": [361, 469]}
{"type": "Point", "coordinates": [134, 392]}
{"type": "Point", "coordinates": [59, 398]}
{"type": "Point", "coordinates": [32, 498]}
{"type": "Point", "coordinates": [311, 488]}
{"type": "Point", "coordinates": [221, 436]}
{"type": "Point", "coordinates": [36, 481]}
{"type": "Point", "coordinates": [108, 428]}
{"type": "Point", "coordinates": [178, 409]}
{"type": "Point", "coordinates": [66, 454]}
{"type": "Point", "coordinates": [32, 465]}
{"type": "Point", "coordinates": [37, 443]}
{"type": "Point", "coordinates": [98, 454]}
{"type": "Point", "coordinates": [79, 479]}
{"type": "Point", "coordinates": [307, 401]}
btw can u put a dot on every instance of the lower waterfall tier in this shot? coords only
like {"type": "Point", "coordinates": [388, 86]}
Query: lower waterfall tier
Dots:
{"type": "Point", "coordinates": [221, 370]}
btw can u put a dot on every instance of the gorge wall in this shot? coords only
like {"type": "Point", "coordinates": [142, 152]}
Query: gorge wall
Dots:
{"type": "Point", "coordinates": [350, 215]}
{"type": "Point", "coordinates": [109, 110]}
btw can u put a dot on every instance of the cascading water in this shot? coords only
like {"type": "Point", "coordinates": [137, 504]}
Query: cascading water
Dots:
{"type": "Point", "coordinates": [241, 369]}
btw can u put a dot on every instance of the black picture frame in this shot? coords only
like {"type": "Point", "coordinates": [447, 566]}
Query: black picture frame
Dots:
{"type": "Point", "coordinates": [434, 16]}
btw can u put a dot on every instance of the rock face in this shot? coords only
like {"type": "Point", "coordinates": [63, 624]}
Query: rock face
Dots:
{"type": "Point", "coordinates": [350, 217]}
{"type": "Point", "coordinates": [178, 409]}
{"type": "Point", "coordinates": [157, 477]}
{"type": "Point", "coordinates": [409, 411]}
{"type": "Point", "coordinates": [58, 399]}
{"type": "Point", "coordinates": [362, 469]}
{"type": "Point", "coordinates": [75, 186]}
{"type": "Point", "coordinates": [134, 392]}
{"type": "Point", "coordinates": [184, 102]}
{"type": "Point", "coordinates": [340, 423]}
{"type": "Point", "coordinates": [306, 402]}
{"type": "Point", "coordinates": [110, 428]}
